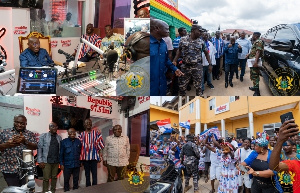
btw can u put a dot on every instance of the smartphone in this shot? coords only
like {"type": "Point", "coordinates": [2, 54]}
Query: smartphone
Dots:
{"type": "Point", "coordinates": [285, 117]}
{"type": "Point", "coordinates": [243, 168]}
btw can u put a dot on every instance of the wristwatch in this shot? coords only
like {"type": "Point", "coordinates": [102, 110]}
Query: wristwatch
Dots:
{"type": "Point", "coordinates": [257, 173]}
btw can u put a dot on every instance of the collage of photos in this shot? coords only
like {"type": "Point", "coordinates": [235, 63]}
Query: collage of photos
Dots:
{"type": "Point", "coordinates": [149, 96]}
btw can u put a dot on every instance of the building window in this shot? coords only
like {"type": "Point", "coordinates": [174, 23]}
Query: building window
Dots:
{"type": "Point", "coordinates": [139, 131]}
{"type": "Point", "coordinates": [234, 98]}
{"type": "Point", "coordinates": [192, 107]}
{"type": "Point", "coordinates": [212, 104]}
{"type": "Point", "coordinates": [58, 18]}
{"type": "Point", "coordinates": [270, 128]}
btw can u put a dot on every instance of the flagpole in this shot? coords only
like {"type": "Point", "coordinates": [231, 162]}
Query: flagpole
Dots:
{"type": "Point", "coordinates": [160, 98]}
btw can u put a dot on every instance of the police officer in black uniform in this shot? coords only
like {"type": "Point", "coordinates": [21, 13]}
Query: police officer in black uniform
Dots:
{"type": "Point", "coordinates": [189, 157]}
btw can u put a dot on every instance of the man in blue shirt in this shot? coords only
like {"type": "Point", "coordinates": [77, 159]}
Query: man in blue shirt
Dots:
{"type": "Point", "coordinates": [219, 44]}
{"type": "Point", "coordinates": [34, 56]}
{"type": "Point", "coordinates": [182, 32]}
{"type": "Point", "coordinates": [159, 60]}
{"type": "Point", "coordinates": [231, 51]}
{"type": "Point", "coordinates": [246, 47]}
{"type": "Point", "coordinates": [69, 159]}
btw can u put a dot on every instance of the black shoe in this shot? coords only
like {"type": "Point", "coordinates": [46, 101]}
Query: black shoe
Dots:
{"type": "Point", "coordinates": [252, 88]}
{"type": "Point", "coordinates": [241, 79]}
{"type": "Point", "coordinates": [257, 92]}
{"type": "Point", "coordinates": [211, 86]}
{"type": "Point", "coordinates": [218, 77]}
{"type": "Point", "coordinates": [237, 76]}
{"type": "Point", "coordinates": [231, 84]}
{"type": "Point", "coordinates": [188, 88]}
{"type": "Point", "coordinates": [214, 78]}
{"type": "Point", "coordinates": [226, 84]}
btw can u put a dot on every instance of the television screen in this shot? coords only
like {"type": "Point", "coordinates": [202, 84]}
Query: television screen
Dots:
{"type": "Point", "coordinates": [69, 117]}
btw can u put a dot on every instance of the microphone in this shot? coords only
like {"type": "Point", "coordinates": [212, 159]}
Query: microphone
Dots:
{"type": "Point", "coordinates": [91, 45]}
{"type": "Point", "coordinates": [112, 56]}
{"type": "Point", "coordinates": [31, 184]}
{"type": "Point", "coordinates": [68, 56]}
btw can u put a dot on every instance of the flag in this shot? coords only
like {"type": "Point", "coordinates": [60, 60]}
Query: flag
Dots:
{"type": "Point", "coordinates": [214, 131]}
{"type": "Point", "coordinates": [164, 126]}
{"type": "Point", "coordinates": [186, 124]}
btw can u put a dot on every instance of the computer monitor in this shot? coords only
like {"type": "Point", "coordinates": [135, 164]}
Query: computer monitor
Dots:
{"type": "Point", "coordinates": [37, 81]}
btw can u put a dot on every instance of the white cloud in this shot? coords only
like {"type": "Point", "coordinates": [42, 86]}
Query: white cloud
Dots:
{"type": "Point", "coordinates": [254, 15]}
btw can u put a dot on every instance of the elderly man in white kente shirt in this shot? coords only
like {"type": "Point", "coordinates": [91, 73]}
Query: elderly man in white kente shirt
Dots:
{"type": "Point", "coordinates": [116, 153]}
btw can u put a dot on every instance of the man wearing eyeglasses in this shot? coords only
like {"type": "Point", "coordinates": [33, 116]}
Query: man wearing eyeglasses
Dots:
{"type": "Point", "coordinates": [70, 149]}
{"type": "Point", "coordinates": [116, 153]}
{"type": "Point", "coordinates": [34, 56]}
{"type": "Point", "coordinates": [12, 143]}
{"type": "Point", "coordinates": [48, 156]}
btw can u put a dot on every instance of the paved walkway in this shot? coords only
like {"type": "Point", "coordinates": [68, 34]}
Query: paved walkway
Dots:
{"type": "Point", "coordinates": [239, 88]}
{"type": "Point", "coordinates": [203, 187]}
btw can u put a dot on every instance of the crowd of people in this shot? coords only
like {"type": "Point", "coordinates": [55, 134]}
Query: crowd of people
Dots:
{"type": "Point", "coordinates": [196, 58]}
{"type": "Point", "coordinates": [239, 165]}
{"type": "Point", "coordinates": [68, 154]}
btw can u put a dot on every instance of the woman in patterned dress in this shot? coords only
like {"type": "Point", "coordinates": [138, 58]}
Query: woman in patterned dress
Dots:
{"type": "Point", "coordinates": [229, 174]}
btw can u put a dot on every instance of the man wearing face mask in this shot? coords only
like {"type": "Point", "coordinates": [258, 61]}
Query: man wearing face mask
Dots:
{"type": "Point", "coordinates": [34, 56]}
{"type": "Point", "coordinates": [116, 153]}
{"type": "Point", "coordinates": [137, 49]}
{"type": "Point", "coordinates": [69, 159]}
{"type": "Point", "coordinates": [191, 48]}
{"type": "Point", "coordinates": [48, 156]}
{"type": "Point", "coordinates": [12, 143]}
{"type": "Point", "coordinates": [92, 143]}
{"type": "Point", "coordinates": [231, 51]}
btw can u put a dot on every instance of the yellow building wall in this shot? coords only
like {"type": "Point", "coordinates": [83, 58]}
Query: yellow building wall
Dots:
{"type": "Point", "coordinates": [241, 108]}
{"type": "Point", "coordinates": [185, 112]}
{"type": "Point", "coordinates": [266, 102]}
{"type": "Point", "coordinates": [236, 108]}
{"type": "Point", "coordinates": [260, 120]}
{"type": "Point", "coordinates": [160, 113]}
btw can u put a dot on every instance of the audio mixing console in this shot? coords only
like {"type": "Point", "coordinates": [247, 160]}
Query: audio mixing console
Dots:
{"type": "Point", "coordinates": [91, 83]}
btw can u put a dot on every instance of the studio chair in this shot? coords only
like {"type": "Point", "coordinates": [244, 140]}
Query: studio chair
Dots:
{"type": "Point", "coordinates": [45, 42]}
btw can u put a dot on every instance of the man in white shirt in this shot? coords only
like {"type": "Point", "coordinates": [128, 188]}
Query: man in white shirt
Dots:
{"type": "Point", "coordinates": [116, 154]}
{"type": "Point", "coordinates": [241, 154]}
{"type": "Point", "coordinates": [234, 143]}
{"type": "Point", "coordinates": [68, 22]}
{"type": "Point", "coordinates": [215, 168]}
{"type": "Point", "coordinates": [211, 51]}
{"type": "Point", "coordinates": [168, 41]}
{"type": "Point", "coordinates": [246, 47]}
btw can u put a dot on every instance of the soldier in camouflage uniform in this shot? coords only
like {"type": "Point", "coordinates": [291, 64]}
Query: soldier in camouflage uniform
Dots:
{"type": "Point", "coordinates": [191, 48]}
{"type": "Point", "coordinates": [256, 52]}
{"type": "Point", "coordinates": [189, 157]}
